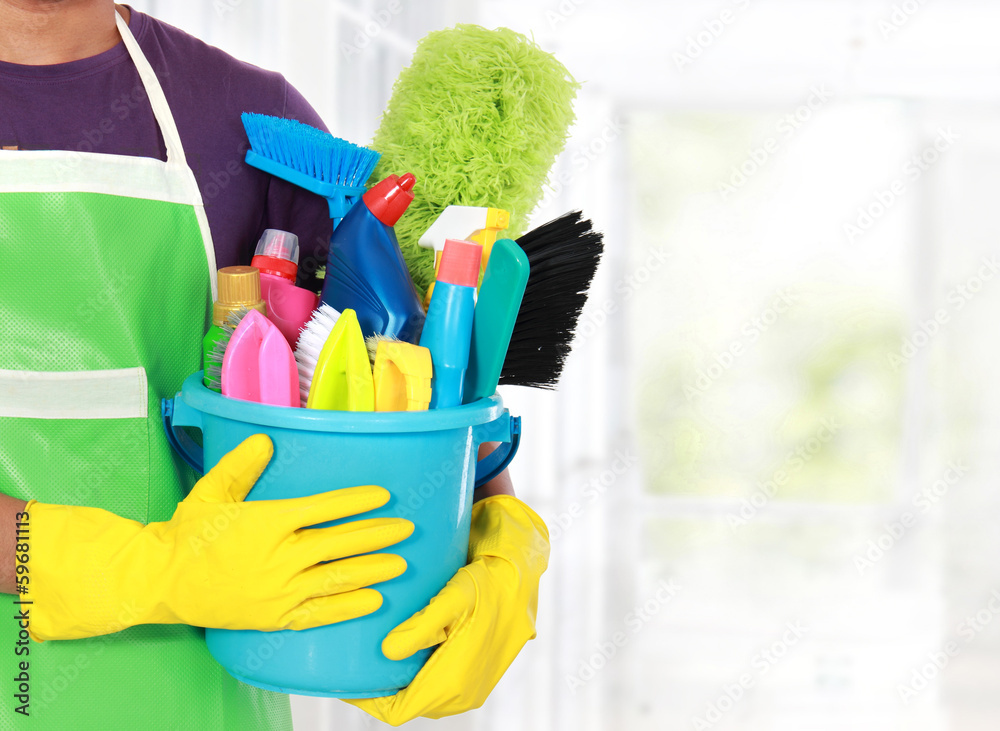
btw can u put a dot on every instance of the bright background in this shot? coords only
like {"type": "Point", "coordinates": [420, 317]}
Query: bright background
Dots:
{"type": "Point", "coordinates": [768, 468]}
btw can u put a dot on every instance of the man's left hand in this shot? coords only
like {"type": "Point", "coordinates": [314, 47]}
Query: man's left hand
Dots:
{"type": "Point", "coordinates": [481, 619]}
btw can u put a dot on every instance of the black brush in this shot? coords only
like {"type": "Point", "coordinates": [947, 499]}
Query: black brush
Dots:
{"type": "Point", "coordinates": [563, 256]}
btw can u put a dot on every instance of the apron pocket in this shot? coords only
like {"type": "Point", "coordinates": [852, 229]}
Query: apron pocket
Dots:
{"type": "Point", "coordinates": [76, 438]}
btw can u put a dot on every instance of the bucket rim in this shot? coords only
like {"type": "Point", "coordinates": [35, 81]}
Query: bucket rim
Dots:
{"type": "Point", "coordinates": [197, 396]}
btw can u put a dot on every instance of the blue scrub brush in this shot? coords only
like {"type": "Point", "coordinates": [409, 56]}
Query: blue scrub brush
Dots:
{"type": "Point", "coordinates": [310, 158]}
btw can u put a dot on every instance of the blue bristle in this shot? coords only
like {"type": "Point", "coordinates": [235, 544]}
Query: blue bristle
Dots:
{"type": "Point", "coordinates": [310, 151]}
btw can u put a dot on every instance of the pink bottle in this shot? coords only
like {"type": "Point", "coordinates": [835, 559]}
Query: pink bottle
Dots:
{"type": "Point", "coordinates": [259, 366]}
{"type": "Point", "coordinates": [288, 307]}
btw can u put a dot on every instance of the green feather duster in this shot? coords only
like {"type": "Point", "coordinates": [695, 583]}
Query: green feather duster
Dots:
{"type": "Point", "coordinates": [478, 117]}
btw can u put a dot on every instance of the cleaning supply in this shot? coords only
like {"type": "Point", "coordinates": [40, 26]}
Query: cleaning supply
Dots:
{"type": "Point", "coordinates": [469, 223]}
{"type": "Point", "coordinates": [310, 345]}
{"type": "Point", "coordinates": [479, 621]}
{"type": "Point", "coordinates": [563, 256]}
{"type": "Point", "coordinates": [497, 307]}
{"type": "Point", "coordinates": [259, 365]}
{"type": "Point", "coordinates": [98, 339]}
{"type": "Point", "coordinates": [402, 376]}
{"type": "Point", "coordinates": [341, 378]}
{"type": "Point", "coordinates": [182, 571]}
{"type": "Point", "coordinates": [288, 307]}
{"type": "Point", "coordinates": [427, 460]}
{"type": "Point", "coordinates": [212, 364]}
{"type": "Point", "coordinates": [448, 329]}
{"type": "Point", "coordinates": [372, 342]}
{"type": "Point", "coordinates": [239, 289]}
{"type": "Point", "coordinates": [479, 117]}
{"type": "Point", "coordinates": [310, 158]}
{"type": "Point", "coordinates": [365, 270]}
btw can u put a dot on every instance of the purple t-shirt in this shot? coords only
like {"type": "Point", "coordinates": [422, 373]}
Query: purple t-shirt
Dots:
{"type": "Point", "coordinates": [98, 104]}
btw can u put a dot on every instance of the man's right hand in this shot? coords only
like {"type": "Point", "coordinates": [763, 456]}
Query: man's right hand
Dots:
{"type": "Point", "coordinates": [218, 562]}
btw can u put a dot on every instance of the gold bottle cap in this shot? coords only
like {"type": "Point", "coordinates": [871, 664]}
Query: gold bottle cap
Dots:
{"type": "Point", "coordinates": [238, 287]}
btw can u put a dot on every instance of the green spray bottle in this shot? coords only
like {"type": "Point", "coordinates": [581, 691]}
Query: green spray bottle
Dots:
{"type": "Point", "coordinates": [239, 292]}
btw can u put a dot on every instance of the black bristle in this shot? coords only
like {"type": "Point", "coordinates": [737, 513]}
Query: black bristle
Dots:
{"type": "Point", "coordinates": [563, 256]}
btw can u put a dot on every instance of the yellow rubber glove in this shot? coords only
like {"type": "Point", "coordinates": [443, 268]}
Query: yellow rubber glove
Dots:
{"type": "Point", "coordinates": [218, 562]}
{"type": "Point", "coordinates": [483, 617]}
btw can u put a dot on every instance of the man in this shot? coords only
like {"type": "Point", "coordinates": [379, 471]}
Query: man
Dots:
{"type": "Point", "coordinates": [122, 188]}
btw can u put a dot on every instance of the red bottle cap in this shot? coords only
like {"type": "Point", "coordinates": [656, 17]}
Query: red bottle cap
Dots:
{"type": "Point", "coordinates": [277, 254]}
{"type": "Point", "coordinates": [276, 267]}
{"type": "Point", "coordinates": [389, 198]}
{"type": "Point", "coordinates": [460, 262]}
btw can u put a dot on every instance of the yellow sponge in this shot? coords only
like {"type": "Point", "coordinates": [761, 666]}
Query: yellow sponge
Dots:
{"type": "Point", "coordinates": [402, 376]}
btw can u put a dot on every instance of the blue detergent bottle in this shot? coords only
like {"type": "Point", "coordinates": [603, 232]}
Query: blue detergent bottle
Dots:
{"type": "Point", "coordinates": [365, 270]}
{"type": "Point", "coordinates": [448, 330]}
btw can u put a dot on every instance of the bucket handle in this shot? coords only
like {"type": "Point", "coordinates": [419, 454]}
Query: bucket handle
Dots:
{"type": "Point", "coordinates": [496, 461]}
{"type": "Point", "coordinates": [176, 414]}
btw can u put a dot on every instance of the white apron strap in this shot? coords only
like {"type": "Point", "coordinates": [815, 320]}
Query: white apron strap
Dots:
{"type": "Point", "coordinates": [154, 92]}
{"type": "Point", "coordinates": [171, 139]}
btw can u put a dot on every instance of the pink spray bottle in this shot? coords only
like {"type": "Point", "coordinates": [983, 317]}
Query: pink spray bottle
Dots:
{"type": "Point", "coordinates": [288, 307]}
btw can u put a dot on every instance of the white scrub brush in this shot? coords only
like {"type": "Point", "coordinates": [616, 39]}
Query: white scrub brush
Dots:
{"type": "Point", "coordinates": [310, 345]}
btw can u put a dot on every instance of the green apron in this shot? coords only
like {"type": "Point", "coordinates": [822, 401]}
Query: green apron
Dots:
{"type": "Point", "coordinates": [107, 271]}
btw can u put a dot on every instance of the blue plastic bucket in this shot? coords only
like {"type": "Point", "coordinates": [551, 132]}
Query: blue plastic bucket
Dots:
{"type": "Point", "coordinates": [426, 460]}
